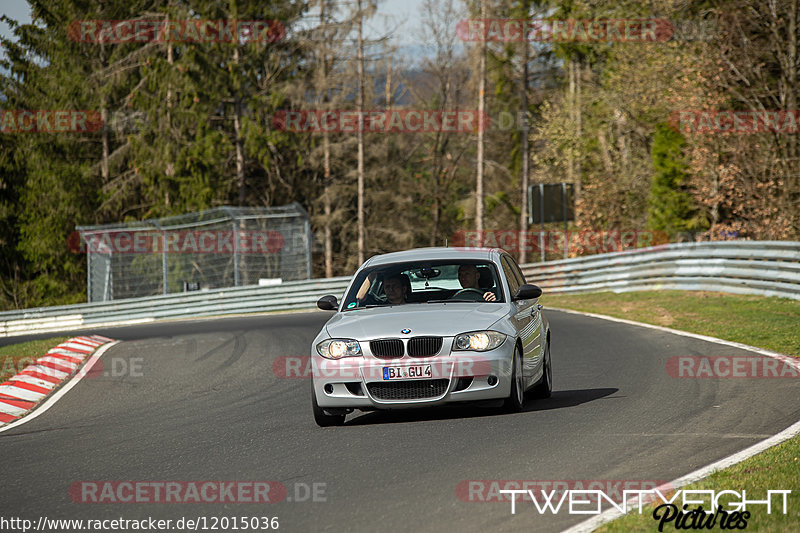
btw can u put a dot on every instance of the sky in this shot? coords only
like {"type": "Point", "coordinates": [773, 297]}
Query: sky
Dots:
{"type": "Point", "coordinates": [18, 10]}
{"type": "Point", "coordinates": [401, 17]}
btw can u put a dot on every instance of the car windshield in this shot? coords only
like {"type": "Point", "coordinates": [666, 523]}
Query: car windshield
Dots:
{"type": "Point", "coordinates": [422, 283]}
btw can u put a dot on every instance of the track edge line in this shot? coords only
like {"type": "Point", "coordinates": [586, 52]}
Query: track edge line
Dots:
{"type": "Point", "coordinates": [612, 514]}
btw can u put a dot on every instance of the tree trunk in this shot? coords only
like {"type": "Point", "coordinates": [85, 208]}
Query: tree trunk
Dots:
{"type": "Point", "coordinates": [326, 158]}
{"type": "Point", "coordinates": [104, 117]}
{"type": "Point", "coordinates": [481, 108]}
{"type": "Point", "coordinates": [360, 103]}
{"type": "Point", "coordinates": [523, 216]}
{"type": "Point", "coordinates": [237, 129]}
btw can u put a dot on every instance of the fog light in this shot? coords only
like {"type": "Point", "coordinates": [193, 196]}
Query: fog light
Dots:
{"type": "Point", "coordinates": [492, 381]}
{"type": "Point", "coordinates": [329, 388]}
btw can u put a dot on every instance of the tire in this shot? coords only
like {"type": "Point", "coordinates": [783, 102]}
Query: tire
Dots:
{"type": "Point", "coordinates": [516, 397]}
{"type": "Point", "coordinates": [322, 418]}
{"type": "Point", "coordinates": [544, 388]}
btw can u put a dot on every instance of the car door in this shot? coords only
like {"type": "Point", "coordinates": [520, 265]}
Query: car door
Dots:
{"type": "Point", "coordinates": [521, 316]}
{"type": "Point", "coordinates": [531, 335]}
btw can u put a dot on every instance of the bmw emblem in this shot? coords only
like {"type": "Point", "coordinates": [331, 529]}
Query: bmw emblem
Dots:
{"type": "Point", "coordinates": [405, 331]}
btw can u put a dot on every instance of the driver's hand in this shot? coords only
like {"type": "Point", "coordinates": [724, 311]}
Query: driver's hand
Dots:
{"type": "Point", "coordinates": [489, 297]}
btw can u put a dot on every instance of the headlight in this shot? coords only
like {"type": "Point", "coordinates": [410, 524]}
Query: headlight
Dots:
{"type": "Point", "coordinates": [479, 341]}
{"type": "Point", "coordinates": [338, 348]}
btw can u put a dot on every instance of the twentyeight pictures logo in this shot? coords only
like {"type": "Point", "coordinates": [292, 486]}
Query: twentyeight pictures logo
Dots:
{"type": "Point", "coordinates": [49, 121]}
{"type": "Point", "coordinates": [184, 31]}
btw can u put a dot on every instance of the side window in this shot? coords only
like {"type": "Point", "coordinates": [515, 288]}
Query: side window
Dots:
{"type": "Point", "coordinates": [511, 276]}
{"type": "Point", "coordinates": [518, 270]}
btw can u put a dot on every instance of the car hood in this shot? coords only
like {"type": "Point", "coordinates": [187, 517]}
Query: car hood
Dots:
{"type": "Point", "coordinates": [441, 319]}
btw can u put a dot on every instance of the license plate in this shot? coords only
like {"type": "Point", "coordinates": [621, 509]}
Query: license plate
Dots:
{"type": "Point", "coordinates": [407, 372]}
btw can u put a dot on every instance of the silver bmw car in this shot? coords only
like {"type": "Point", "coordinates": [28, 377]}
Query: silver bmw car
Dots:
{"type": "Point", "coordinates": [427, 327]}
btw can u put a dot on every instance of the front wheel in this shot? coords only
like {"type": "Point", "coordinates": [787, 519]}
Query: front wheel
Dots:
{"type": "Point", "coordinates": [516, 397]}
{"type": "Point", "coordinates": [544, 388]}
{"type": "Point", "coordinates": [322, 418]}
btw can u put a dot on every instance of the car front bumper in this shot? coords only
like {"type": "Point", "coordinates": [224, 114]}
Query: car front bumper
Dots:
{"type": "Point", "coordinates": [461, 376]}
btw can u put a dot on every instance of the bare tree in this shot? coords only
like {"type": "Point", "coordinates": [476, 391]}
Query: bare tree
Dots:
{"type": "Point", "coordinates": [481, 124]}
{"type": "Point", "coordinates": [360, 104]}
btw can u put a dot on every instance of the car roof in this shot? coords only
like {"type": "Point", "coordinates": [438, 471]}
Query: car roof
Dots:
{"type": "Point", "coordinates": [435, 254]}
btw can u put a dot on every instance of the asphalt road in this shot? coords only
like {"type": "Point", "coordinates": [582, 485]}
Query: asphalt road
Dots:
{"type": "Point", "coordinates": [196, 401]}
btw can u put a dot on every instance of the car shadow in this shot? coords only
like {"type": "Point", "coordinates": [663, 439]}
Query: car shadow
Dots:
{"type": "Point", "coordinates": [558, 400]}
{"type": "Point", "coordinates": [568, 398]}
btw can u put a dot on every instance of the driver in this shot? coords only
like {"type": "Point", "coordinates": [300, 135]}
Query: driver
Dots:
{"type": "Point", "coordinates": [468, 276]}
{"type": "Point", "coordinates": [396, 289]}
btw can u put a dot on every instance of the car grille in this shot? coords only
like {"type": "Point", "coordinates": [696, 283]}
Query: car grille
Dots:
{"type": "Point", "coordinates": [408, 390]}
{"type": "Point", "coordinates": [387, 348]}
{"type": "Point", "coordinates": [424, 346]}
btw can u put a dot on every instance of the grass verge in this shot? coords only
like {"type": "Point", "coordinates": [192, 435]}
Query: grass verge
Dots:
{"type": "Point", "coordinates": [15, 357]}
{"type": "Point", "coordinates": [771, 323]}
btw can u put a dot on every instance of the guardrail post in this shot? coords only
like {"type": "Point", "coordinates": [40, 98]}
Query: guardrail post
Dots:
{"type": "Point", "coordinates": [564, 211]}
{"type": "Point", "coordinates": [164, 265]}
{"type": "Point", "coordinates": [235, 234]}
{"type": "Point", "coordinates": [541, 214]}
{"type": "Point", "coordinates": [308, 244]}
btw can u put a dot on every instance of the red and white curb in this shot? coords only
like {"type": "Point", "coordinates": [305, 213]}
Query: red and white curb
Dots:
{"type": "Point", "coordinates": [36, 381]}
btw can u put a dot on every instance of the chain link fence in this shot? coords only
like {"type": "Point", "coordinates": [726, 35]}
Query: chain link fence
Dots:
{"type": "Point", "coordinates": [217, 248]}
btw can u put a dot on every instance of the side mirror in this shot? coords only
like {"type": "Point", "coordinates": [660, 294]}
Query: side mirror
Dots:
{"type": "Point", "coordinates": [527, 292]}
{"type": "Point", "coordinates": [328, 303]}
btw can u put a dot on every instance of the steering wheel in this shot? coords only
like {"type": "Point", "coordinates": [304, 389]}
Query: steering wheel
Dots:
{"type": "Point", "coordinates": [470, 293]}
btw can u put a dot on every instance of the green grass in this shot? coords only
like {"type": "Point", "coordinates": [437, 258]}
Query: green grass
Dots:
{"type": "Point", "coordinates": [772, 323]}
{"type": "Point", "coordinates": [775, 469]}
{"type": "Point", "coordinates": [15, 357]}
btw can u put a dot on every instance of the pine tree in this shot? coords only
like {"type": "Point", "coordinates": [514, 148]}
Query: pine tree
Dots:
{"type": "Point", "coordinates": [671, 206]}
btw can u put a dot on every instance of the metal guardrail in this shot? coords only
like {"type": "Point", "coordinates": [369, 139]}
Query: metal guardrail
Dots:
{"type": "Point", "coordinates": [769, 268]}
{"type": "Point", "coordinates": [237, 300]}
